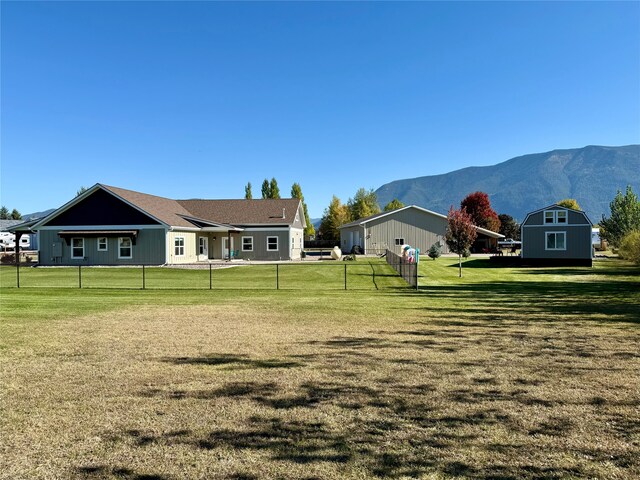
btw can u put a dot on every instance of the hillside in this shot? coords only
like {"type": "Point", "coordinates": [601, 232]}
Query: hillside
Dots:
{"type": "Point", "coordinates": [591, 175]}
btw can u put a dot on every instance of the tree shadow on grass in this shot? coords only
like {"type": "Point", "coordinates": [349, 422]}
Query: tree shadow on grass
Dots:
{"type": "Point", "coordinates": [232, 361]}
{"type": "Point", "coordinates": [102, 471]}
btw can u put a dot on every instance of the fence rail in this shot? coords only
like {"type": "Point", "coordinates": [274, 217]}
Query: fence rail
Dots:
{"type": "Point", "coordinates": [357, 275]}
{"type": "Point", "coordinates": [407, 270]}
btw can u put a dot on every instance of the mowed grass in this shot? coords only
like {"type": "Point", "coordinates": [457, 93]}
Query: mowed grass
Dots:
{"type": "Point", "coordinates": [505, 373]}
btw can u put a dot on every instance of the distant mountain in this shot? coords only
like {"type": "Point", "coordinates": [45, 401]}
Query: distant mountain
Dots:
{"type": "Point", "coordinates": [591, 175]}
{"type": "Point", "coordinates": [33, 216]}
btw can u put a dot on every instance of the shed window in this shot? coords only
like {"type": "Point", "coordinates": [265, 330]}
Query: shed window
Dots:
{"type": "Point", "coordinates": [124, 247]}
{"type": "Point", "coordinates": [399, 241]}
{"type": "Point", "coordinates": [555, 216]}
{"type": "Point", "coordinates": [247, 244]}
{"type": "Point", "coordinates": [77, 248]}
{"type": "Point", "coordinates": [103, 246]}
{"type": "Point", "coordinates": [272, 244]}
{"type": "Point", "coordinates": [178, 245]}
{"type": "Point", "coordinates": [556, 241]}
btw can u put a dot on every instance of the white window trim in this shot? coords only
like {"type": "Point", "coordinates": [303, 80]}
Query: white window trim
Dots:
{"type": "Point", "coordinates": [247, 249]}
{"type": "Point", "coordinates": [120, 256]}
{"type": "Point", "coordinates": [546, 236]}
{"type": "Point", "coordinates": [106, 244]}
{"type": "Point", "coordinates": [175, 246]}
{"type": "Point", "coordinates": [73, 248]}
{"type": "Point", "coordinates": [277, 245]}
{"type": "Point", "coordinates": [555, 217]}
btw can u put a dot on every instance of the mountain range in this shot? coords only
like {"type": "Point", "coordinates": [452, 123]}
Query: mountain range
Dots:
{"type": "Point", "coordinates": [592, 175]}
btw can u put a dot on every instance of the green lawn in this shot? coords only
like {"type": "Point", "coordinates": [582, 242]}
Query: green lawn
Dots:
{"type": "Point", "coordinates": [505, 373]}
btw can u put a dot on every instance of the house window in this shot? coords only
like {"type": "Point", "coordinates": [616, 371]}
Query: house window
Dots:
{"type": "Point", "coordinates": [399, 241]}
{"type": "Point", "coordinates": [77, 248]}
{"type": "Point", "coordinates": [178, 244]}
{"type": "Point", "coordinates": [103, 246]}
{"type": "Point", "coordinates": [556, 241]}
{"type": "Point", "coordinates": [555, 216]}
{"type": "Point", "coordinates": [124, 247]}
{"type": "Point", "coordinates": [272, 244]}
{"type": "Point", "coordinates": [247, 244]}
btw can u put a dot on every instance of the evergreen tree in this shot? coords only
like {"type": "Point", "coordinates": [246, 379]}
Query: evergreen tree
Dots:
{"type": "Point", "coordinates": [461, 233]}
{"type": "Point", "coordinates": [16, 215]}
{"type": "Point", "coordinates": [435, 251]}
{"type": "Point", "coordinates": [363, 204]}
{"type": "Point", "coordinates": [296, 192]}
{"type": "Point", "coordinates": [4, 213]}
{"type": "Point", "coordinates": [247, 192]}
{"type": "Point", "coordinates": [81, 191]}
{"type": "Point", "coordinates": [625, 217]}
{"type": "Point", "coordinates": [509, 227]}
{"type": "Point", "coordinates": [393, 205]}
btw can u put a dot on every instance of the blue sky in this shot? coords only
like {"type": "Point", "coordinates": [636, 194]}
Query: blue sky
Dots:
{"type": "Point", "coordinates": [193, 100]}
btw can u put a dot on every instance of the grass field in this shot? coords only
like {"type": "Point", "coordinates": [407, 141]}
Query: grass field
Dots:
{"type": "Point", "coordinates": [505, 373]}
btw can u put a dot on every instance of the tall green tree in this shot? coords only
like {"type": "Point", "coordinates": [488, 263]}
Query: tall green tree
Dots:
{"type": "Point", "coordinates": [4, 213]}
{"type": "Point", "coordinates": [81, 191]}
{"type": "Point", "coordinates": [571, 203]}
{"type": "Point", "coordinates": [624, 218]}
{"type": "Point", "coordinates": [266, 189]}
{"type": "Point", "coordinates": [273, 189]}
{"type": "Point", "coordinates": [335, 215]}
{"type": "Point", "coordinates": [393, 205]}
{"type": "Point", "coordinates": [248, 195]}
{"type": "Point", "coordinates": [363, 204]}
{"type": "Point", "coordinates": [296, 192]}
{"type": "Point", "coordinates": [509, 227]}
{"type": "Point", "coordinates": [16, 215]}
{"type": "Point", "coordinates": [461, 234]}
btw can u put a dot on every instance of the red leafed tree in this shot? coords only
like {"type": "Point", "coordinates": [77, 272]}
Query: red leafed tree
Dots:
{"type": "Point", "coordinates": [461, 233]}
{"type": "Point", "coordinates": [478, 206]}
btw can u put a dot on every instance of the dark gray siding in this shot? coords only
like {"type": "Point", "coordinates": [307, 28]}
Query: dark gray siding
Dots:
{"type": "Point", "coordinates": [148, 250]}
{"type": "Point", "coordinates": [259, 245]}
{"type": "Point", "coordinates": [577, 235]}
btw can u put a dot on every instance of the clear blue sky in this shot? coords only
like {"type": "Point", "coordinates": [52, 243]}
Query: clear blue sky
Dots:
{"type": "Point", "coordinates": [193, 100]}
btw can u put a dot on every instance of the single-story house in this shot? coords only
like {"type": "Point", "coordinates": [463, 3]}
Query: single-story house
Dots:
{"type": "Point", "coordinates": [108, 225]}
{"type": "Point", "coordinates": [557, 235]}
{"type": "Point", "coordinates": [411, 225]}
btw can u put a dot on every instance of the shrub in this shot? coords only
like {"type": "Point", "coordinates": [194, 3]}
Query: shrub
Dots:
{"type": "Point", "coordinates": [630, 247]}
{"type": "Point", "coordinates": [8, 258]}
{"type": "Point", "coordinates": [435, 251]}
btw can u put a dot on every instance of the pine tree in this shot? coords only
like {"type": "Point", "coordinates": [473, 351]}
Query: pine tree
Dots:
{"type": "Point", "coordinates": [16, 215]}
{"type": "Point", "coordinates": [4, 213]}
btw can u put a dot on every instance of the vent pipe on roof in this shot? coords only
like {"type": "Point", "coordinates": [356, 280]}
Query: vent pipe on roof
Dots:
{"type": "Point", "coordinates": [283, 213]}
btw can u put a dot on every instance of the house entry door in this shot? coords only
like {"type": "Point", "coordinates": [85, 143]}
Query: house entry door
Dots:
{"type": "Point", "coordinates": [225, 247]}
{"type": "Point", "coordinates": [203, 248]}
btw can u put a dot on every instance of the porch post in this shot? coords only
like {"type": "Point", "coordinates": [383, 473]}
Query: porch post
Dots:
{"type": "Point", "coordinates": [229, 245]}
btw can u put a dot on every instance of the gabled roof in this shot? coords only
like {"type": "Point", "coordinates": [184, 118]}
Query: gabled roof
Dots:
{"type": "Point", "coordinates": [555, 206]}
{"type": "Point", "coordinates": [245, 212]}
{"type": "Point", "coordinates": [197, 213]}
{"type": "Point", "coordinates": [364, 221]}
